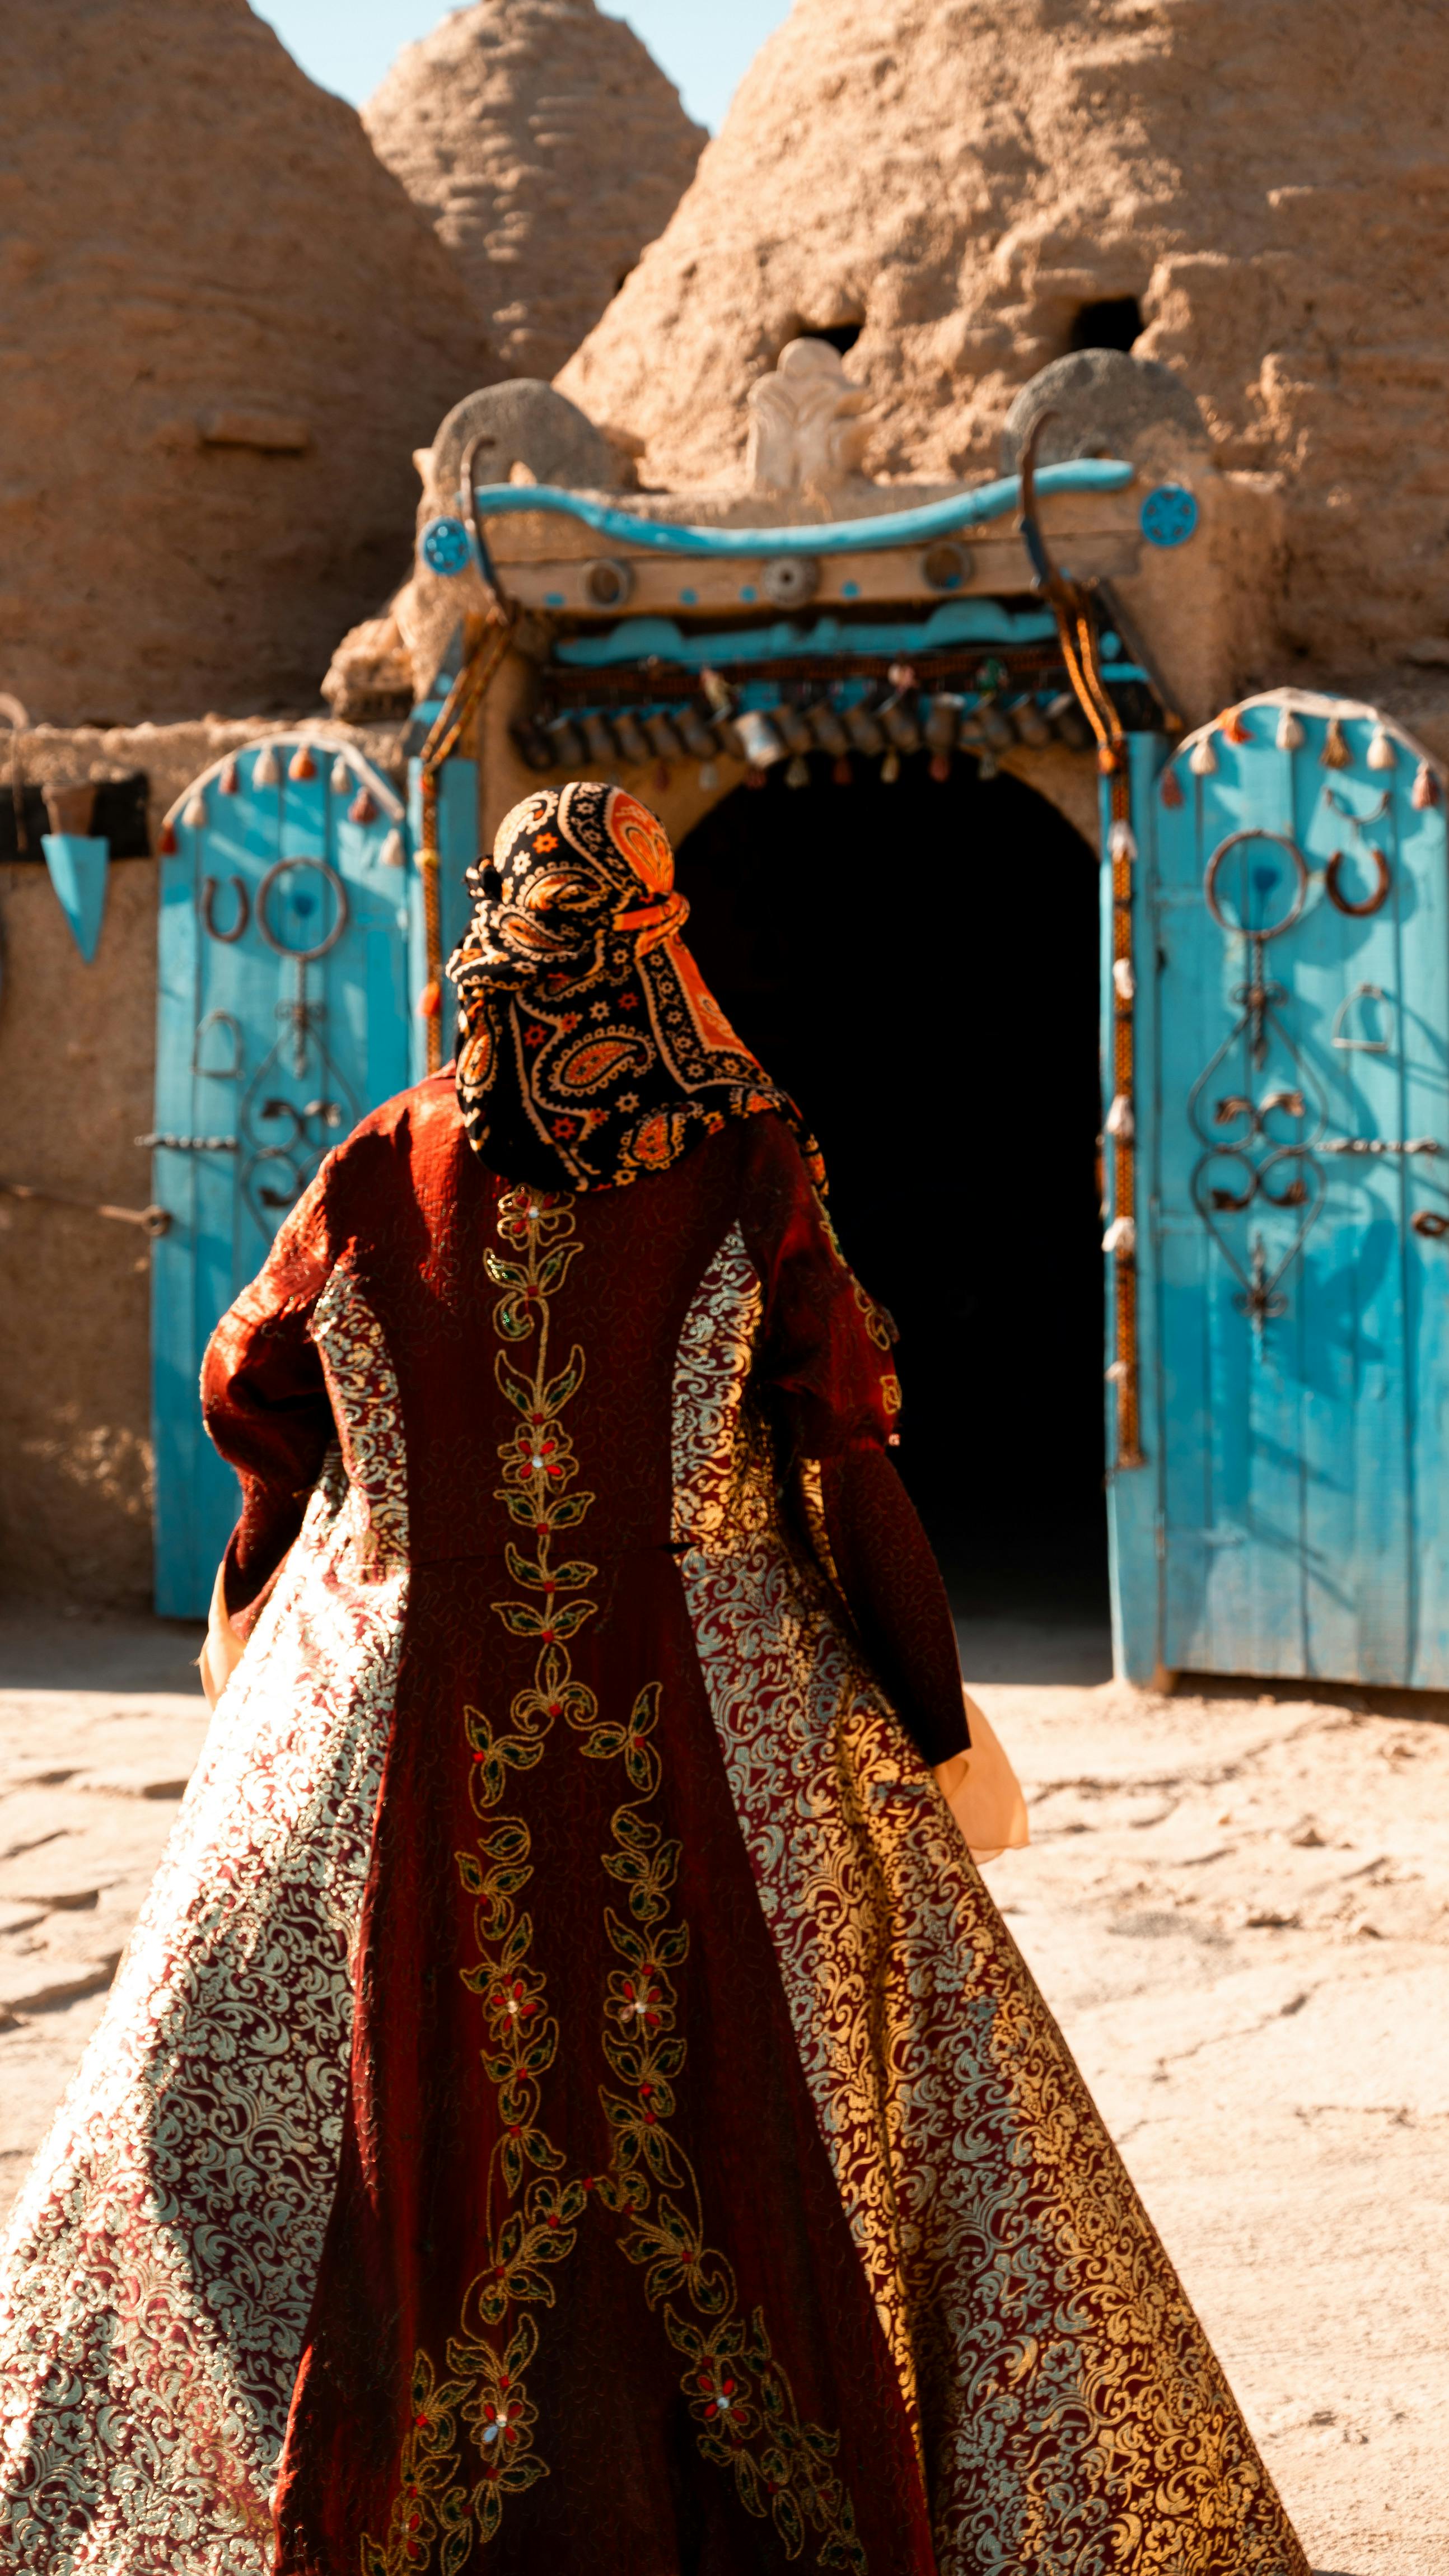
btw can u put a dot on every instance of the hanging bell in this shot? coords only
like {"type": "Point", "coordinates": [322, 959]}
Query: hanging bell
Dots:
{"type": "Point", "coordinates": [1067, 721]}
{"type": "Point", "coordinates": [1290, 732]}
{"type": "Point", "coordinates": [865, 732]}
{"type": "Point", "coordinates": [194, 813]}
{"type": "Point", "coordinates": [903, 727]}
{"type": "Point", "coordinates": [1234, 729]}
{"type": "Point", "coordinates": [301, 766]}
{"type": "Point", "coordinates": [228, 781]}
{"type": "Point", "coordinates": [1170, 790]}
{"type": "Point", "coordinates": [532, 744]}
{"type": "Point", "coordinates": [695, 734]}
{"type": "Point", "coordinates": [994, 726]}
{"type": "Point", "coordinates": [602, 747]}
{"type": "Point", "coordinates": [393, 853]}
{"type": "Point", "coordinates": [793, 728]}
{"type": "Point", "coordinates": [363, 808]}
{"type": "Point", "coordinates": [828, 731]}
{"type": "Point", "coordinates": [1202, 759]}
{"type": "Point", "coordinates": [1030, 723]}
{"type": "Point", "coordinates": [266, 769]}
{"type": "Point", "coordinates": [661, 732]}
{"type": "Point", "coordinates": [629, 738]}
{"type": "Point", "coordinates": [1381, 752]}
{"type": "Point", "coordinates": [941, 723]}
{"type": "Point", "coordinates": [1425, 791]}
{"type": "Point", "coordinates": [798, 773]}
{"type": "Point", "coordinates": [567, 747]}
{"type": "Point", "coordinates": [890, 768]}
{"type": "Point", "coordinates": [763, 746]}
{"type": "Point", "coordinates": [341, 779]}
{"type": "Point", "coordinates": [1335, 753]}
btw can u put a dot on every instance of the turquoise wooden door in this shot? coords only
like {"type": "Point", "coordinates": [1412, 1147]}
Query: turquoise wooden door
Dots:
{"type": "Point", "coordinates": [283, 1016]}
{"type": "Point", "coordinates": [1292, 946]}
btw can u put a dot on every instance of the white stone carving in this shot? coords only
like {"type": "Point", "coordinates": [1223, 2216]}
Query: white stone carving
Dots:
{"type": "Point", "coordinates": [806, 430]}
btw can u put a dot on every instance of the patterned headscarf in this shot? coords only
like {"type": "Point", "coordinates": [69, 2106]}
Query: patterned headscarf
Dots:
{"type": "Point", "coordinates": [590, 1048]}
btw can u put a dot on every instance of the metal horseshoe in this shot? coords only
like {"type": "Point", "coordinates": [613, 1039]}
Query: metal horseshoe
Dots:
{"type": "Point", "coordinates": [1372, 902]}
{"type": "Point", "coordinates": [211, 887]}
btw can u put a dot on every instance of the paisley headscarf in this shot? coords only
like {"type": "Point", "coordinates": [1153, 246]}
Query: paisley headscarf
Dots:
{"type": "Point", "coordinates": [590, 1048]}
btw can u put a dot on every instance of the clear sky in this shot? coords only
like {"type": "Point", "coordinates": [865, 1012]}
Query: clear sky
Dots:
{"type": "Point", "coordinates": [704, 45]}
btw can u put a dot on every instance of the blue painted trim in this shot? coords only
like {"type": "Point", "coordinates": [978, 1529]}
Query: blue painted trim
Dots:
{"type": "Point", "coordinates": [956, 621]}
{"type": "Point", "coordinates": [836, 537]}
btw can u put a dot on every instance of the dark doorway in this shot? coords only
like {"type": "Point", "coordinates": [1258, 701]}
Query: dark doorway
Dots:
{"type": "Point", "coordinates": [1115, 322]}
{"type": "Point", "coordinates": [918, 964]}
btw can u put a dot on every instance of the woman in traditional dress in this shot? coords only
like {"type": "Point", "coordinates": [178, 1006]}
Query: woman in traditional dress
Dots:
{"type": "Point", "coordinates": [570, 2101]}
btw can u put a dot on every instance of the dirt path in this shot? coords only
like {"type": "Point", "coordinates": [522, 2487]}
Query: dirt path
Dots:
{"type": "Point", "coordinates": [1238, 1908]}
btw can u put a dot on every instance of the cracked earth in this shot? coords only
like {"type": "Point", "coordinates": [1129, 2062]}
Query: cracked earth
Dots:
{"type": "Point", "coordinates": [1237, 1906]}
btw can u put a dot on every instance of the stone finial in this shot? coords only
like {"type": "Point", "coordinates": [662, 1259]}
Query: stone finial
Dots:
{"type": "Point", "coordinates": [806, 433]}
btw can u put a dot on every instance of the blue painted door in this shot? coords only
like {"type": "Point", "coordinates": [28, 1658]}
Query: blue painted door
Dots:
{"type": "Point", "coordinates": [284, 1014]}
{"type": "Point", "coordinates": [1292, 953]}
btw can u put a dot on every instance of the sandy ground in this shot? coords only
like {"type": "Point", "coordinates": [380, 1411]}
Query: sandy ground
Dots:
{"type": "Point", "coordinates": [1238, 1906]}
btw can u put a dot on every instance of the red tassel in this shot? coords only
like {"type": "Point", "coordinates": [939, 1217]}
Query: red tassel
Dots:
{"type": "Point", "coordinates": [1425, 790]}
{"type": "Point", "coordinates": [753, 778]}
{"type": "Point", "coordinates": [1234, 729]}
{"type": "Point", "coordinates": [940, 767]}
{"type": "Point", "coordinates": [167, 843]}
{"type": "Point", "coordinates": [228, 782]}
{"type": "Point", "coordinates": [430, 1001]}
{"type": "Point", "coordinates": [301, 765]}
{"type": "Point", "coordinates": [842, 773]}
{"type": "Point", "coordinates": [1171, 789]}
{"type": "Point", "coordinates": [363, 808]}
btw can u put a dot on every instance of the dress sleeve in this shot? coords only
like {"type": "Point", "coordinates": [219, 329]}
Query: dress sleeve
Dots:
{"type": "Point", "coordinates": [824, 1360]}
{"type": "Point", "coordinates": [264, 1402]}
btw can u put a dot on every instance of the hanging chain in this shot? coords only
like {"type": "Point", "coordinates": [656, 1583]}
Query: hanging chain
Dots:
{"type": "Point", "coordinates": [1071, 606]}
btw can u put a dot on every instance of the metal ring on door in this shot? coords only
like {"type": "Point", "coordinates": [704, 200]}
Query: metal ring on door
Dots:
{"type": "Point", "coordinates": [303, 956]}
{"type": "Point", "coordinates": [1430, 1223]}
{"type": "Point", "coordinates": [1280, 840]}
{"type": "Point", "coordinates": [1373, 902]}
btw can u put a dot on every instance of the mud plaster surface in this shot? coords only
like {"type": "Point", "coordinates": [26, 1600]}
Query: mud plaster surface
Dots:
{"type": "Point", "coordinates": [1237, 1906]}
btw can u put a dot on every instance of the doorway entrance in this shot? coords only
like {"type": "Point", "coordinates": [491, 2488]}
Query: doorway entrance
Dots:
{"type": "Point", "coordinates": [918, 964]}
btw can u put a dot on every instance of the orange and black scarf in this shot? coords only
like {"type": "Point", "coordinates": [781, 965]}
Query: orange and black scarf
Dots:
{"type": "Point", "coordinates": [590, 1048]}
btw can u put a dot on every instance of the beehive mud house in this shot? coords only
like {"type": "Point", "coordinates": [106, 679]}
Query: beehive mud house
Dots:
{"type": "Point", "coordinates": [1073, 848]}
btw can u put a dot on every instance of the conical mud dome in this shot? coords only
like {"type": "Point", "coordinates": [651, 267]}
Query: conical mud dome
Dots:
{"type": "Point", "coordinates": [973, 181]}
{"type": "Point", "coordinates": [227, 328]}
{"type": "Point", "coordinates": [547, 146]}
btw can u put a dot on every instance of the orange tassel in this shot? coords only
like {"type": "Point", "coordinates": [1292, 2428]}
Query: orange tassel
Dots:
{"type": "Point", "coordinates": [1425, 789]}
{"type": "Point", "coordinates": [1234, 729]}
{"type": "Point", "coordinates": [1171, 789]}
{"type": "Point", "coordinates": [430, 1001]}
{"type": "Point", "coordinates": [229, 783]}
{"type": "Point", "coordinates": [1335, 753]}
{"type": "Point", "coordinates": [363, 808]}
{"type": "Point", "coordinates": [940, 767]}
{"type": "Point", "coordinates": [301, 765]}
{"type": "Point", "coordinates": [842, 773]}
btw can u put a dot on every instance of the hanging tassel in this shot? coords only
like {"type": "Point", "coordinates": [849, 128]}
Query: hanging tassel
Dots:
{"type": "Point", "coordinates": [1122, 842]}
{"type": "Point", "coordinates": [890, 768]}
{"type": "Point", "coordinates": [393, 854]}
{"type": "Point", "coordinates": [798, 773]}
{"type": "Point", "coordinates": [1381, 752]}
{"type": "Point", "coordinates": [266, 772]}
{"type": "Point", "coordinates": [940, 767]}
{"type": "Point", "coordinates": [842, 773]}
{"type": "Point", "coordinates": [341, 781]}
{"type": "Point", "coordinates": [1425, 790]}
{"type": "Point", "coordinates": [1124, 982]}
{"type": "Point", "coordinates": [363, 808]}
{"type": "Point", "coordinates": [194, 813]}
{"type": "Point", "coordinates": [301, 765]}
{"type": "Point", "coordinates": [1335, 753]}
{"type": "Point", "coordinates": [1234, 729]}
{"type": "Point", "coordinates": [1202, 759]}
{"type": "Point", "coordinates": [1171, 789]}
{"type": "Point", "coordinates": [753, 777]}
{"type": "Point", "coordinates": [1119, 1118]}
{"type": "Point", "coordinates": [708, 777]}
{"type": "Point", "coordinates": [229, 781]}
{"type": "Point", "coordinates": [988, 766]}
{"type": "Point", "coordinates": [1290, 731]}
{"type": "Point", "coordinates": [1121, 1238]}
{"type": "Point", "coordinates": [167, 843]}
{"type": "Point", "coordinates": [430, 1000]}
